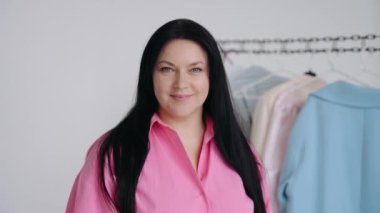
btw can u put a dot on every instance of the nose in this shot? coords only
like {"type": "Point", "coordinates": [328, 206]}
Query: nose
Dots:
{"type": "Point", "coordinates": [180, 81]}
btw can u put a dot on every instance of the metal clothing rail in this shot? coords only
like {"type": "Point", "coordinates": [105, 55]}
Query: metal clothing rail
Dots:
{"type": "Point", "coordinates": [283, 46]}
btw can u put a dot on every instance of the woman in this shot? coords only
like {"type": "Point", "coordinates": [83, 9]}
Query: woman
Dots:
{"type": "Point", "coordinates": [180, 148]}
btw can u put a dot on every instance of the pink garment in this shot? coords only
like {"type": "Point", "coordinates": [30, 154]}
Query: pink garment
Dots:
{"type": "Point", "coordinates": [263, 113]}
{"type": "Point", "coordinates": [168, 182]}
{"type": "Point", "coordinates": [285, 111]}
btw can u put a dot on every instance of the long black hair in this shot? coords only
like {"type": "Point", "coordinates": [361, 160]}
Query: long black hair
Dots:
{"type": "Point", "coordinates": [127, 144]}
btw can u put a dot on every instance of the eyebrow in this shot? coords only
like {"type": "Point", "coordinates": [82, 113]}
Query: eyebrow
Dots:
{"type": "Point", "coordinates": [192, 64]}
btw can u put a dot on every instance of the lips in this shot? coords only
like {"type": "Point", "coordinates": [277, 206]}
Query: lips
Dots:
{"type": "Point", "coordinates": [180, 97]}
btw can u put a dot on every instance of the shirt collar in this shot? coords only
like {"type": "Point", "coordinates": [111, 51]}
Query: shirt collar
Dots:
{"type": "Point", "coordinates": [208, 134]}
{"type": "Point", "coordinates": [350, 95]}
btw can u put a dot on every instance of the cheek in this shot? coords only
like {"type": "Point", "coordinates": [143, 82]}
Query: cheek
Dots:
{"type": "Point", "coordinates": [161, 87]}
{"type": "Point", "coordinates": [156, 86]}
{"type": "Point", "coordinates": [204, 87]}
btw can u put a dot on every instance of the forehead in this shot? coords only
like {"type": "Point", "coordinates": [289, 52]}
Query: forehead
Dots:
{"type": "Point", "coordinates": [182, 51]}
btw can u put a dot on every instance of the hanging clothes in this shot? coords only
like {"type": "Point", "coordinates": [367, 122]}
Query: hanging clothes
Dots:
{"type": "Point", "coordinates": [246, 88]}
{"type": "Point", "coordinates": [332, 162]}
{"type": "Point", "coordinates": [262, 114]}
{"type": "Point", "coordinates": [285, 111]}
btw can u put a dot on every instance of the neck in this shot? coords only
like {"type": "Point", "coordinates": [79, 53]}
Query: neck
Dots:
{"type": "Point", "coordinates": [184, 125]}
{"type": "Point", "coordinates": [190, 130]}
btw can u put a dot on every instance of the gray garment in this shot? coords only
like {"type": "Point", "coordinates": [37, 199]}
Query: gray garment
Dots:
{"type": "Point", "coordinates": [246, 87]}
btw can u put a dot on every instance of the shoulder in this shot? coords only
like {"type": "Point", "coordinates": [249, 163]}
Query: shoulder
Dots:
{"type": "Point", "coordinates": [95, 146]}
{"type": "Point", "coordinates": [92, 156]}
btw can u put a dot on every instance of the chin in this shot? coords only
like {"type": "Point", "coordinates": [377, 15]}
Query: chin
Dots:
{"type": "Point", "coordinates": [181, 113]}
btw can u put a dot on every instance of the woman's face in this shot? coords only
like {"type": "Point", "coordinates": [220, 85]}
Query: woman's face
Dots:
{"type": "Point", "coordinates": [181, 79]}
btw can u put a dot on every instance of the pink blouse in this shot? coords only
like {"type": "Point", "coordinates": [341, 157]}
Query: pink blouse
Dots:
{"type": "Point", "coordinates": [168, 182]}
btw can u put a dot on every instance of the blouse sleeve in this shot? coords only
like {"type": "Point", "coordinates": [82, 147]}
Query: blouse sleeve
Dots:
{"type": "Point", "coordinates": [86, 196]}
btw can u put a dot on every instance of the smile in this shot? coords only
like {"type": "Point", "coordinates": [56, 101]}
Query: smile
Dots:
{"type": "Point", "coordinates": [180, 97]}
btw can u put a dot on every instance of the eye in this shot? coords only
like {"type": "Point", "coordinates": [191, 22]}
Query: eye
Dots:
{"type": "Point", "coordinates": [196, 69]}
{"type": "Point", "coordinates": [165, 69]}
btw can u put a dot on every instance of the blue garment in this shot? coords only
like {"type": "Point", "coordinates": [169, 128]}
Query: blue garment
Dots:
{"type": "Point", "coordinates": [333, 158]}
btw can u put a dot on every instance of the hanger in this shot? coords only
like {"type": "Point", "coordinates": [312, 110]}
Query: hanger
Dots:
{"type": "Point", "coordinates": [281, 68]}
{"type": "Point", "coordinates": [343, 74]}
{"type": "Point", "coordinates": [310, 71]}
{"type": "Point", "coordinates": [362, 62]}
{"type": "Point", "coordinates": [371, 73]}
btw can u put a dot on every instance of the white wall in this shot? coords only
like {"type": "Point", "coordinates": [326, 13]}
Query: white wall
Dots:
{"type": "Point", "coordinates": [68, 73]}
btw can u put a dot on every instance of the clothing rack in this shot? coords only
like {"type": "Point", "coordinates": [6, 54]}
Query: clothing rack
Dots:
{"type": "Point", "coordinates": [301, 45]}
